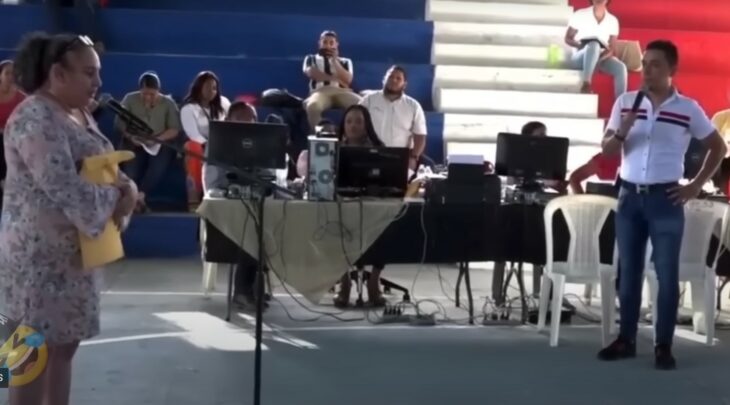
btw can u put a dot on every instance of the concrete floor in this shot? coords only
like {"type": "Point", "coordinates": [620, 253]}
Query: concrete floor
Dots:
{"type": "Point", "coordinates": [164, 343]}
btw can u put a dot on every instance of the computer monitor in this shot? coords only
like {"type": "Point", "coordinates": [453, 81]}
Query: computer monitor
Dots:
{"type": "Point", "coordinates": [248, 145]}
{"type": "Point", "coordinates": [531, 157]}
{"type": "Point", "coordinates": [371, 171]}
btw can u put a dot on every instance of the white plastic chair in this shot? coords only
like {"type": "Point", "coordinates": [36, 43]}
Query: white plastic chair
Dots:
{"type": "Point", "coordinates": [585, 216]}
{"type": "Point", "coordinates": [210, 270]}
{"type": "Point", "coordinates": [703, 218]}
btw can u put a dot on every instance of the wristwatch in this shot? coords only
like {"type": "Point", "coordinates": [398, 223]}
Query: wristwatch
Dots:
{"type": "Point", "coordinates": [618, 136]}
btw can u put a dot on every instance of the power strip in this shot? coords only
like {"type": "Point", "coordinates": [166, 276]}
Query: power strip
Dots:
{"type": "Point", "coordinates": [414, 320]}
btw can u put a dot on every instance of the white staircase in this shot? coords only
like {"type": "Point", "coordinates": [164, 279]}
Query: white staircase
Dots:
{"type": "Point", "coordinates": [493, 75]}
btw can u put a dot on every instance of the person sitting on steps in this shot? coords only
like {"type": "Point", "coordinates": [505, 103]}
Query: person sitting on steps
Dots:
{"type": "Point", "coordinates": [593, 32]}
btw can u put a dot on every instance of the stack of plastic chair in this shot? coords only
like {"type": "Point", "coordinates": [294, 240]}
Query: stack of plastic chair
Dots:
{"type": "Point", "coordinates": [585, 216]}
{"type": "Point", "coordinates": [703, 219]}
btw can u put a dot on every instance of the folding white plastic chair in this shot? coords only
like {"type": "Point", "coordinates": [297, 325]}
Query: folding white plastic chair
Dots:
{"type": "Point", "coordinates": [585, 216]}
{"type": "Point", "coordinates": [210, 270]}
{"type": "Point", "coordinates": [702, 220]}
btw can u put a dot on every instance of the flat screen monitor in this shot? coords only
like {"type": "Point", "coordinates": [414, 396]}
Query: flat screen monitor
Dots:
{"type": "Point", "coordinates": [378, 172]}
{"type": "Point", "coordinates": [531, 157]}
{"type": "Point", "coordinates": [248, 145]}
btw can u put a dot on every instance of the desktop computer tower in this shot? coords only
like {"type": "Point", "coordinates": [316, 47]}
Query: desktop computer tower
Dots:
{"type": "Point", "coordinates": [322, 168]}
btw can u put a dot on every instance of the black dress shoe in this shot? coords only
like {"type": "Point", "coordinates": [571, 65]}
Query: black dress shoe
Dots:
{"type": "Point", "coordinates": [620, 349]}
{"type": "Point", "coordinates": [663, 359]}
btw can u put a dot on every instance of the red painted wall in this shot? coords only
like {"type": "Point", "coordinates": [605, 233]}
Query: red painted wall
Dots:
{"type": "Point", "coordinates": [701, 30]}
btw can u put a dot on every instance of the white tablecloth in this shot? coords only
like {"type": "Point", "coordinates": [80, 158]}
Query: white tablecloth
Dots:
{"type": "Point", "coordinates": [309, 245]}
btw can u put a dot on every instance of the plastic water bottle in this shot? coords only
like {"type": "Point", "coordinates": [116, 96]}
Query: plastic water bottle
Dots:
{"type": "Point", "coordinates": [555, 56]}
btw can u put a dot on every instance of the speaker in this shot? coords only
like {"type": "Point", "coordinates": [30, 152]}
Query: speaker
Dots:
{"type": "Point", "coordinates": [321, 173]}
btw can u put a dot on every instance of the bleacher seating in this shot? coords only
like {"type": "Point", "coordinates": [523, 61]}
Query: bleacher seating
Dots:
{"type": "Point", "coordinates": [478, 68]}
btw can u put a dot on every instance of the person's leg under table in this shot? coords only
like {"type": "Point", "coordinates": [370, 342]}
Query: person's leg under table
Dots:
{"type": "Point", "coordinates": [632, 234]}
{"type": "Point", "coordinates": [498, 283]}
{"type": "Point", "coordinates": [375, 297]}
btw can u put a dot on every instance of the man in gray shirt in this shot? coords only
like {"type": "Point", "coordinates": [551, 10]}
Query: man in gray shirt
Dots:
{"type": "Point", "coordinates": [161, 113]}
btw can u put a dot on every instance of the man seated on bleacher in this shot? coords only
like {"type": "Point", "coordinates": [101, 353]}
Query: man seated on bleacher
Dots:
{"type": "Point", "coordinates": [330, 77]}
{"type": "Point", "coordinates": [398, 118]}
{"type": "Point", "coordinates": [160, 112]}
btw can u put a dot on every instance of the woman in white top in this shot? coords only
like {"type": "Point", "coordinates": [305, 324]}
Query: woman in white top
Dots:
{"type": "Point", "coordinates": [593, 32]}
{"type": "Point", "coordinates": [203, 103]}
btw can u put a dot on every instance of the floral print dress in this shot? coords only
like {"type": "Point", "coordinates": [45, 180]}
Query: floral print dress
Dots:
{"type": "Point", "coordinates": [46, 204]}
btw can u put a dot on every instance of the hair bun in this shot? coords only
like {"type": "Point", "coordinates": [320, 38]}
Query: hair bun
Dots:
{"type": "Point", "coordinates": [30, 69]}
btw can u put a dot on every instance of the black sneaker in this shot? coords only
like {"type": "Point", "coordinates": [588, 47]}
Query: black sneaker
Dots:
{"type": "Point", "coordinates": [663, 359]}
{"type": "Point", "coordinates": [620, 349]}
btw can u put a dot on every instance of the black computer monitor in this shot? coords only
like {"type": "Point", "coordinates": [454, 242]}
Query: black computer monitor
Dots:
{"type": "Point", "coordinates": [380, 172]}
{"type": "Point", "coordinates": [248, 145]}
{"type": "Point", "coordinates": [531, 157]}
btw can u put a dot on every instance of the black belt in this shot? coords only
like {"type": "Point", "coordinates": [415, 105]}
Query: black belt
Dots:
{"type": "Point", "coordinates": [646, 188]}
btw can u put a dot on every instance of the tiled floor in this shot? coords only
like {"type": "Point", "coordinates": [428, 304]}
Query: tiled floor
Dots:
{"type": "Point", "coordinates": [163, 343]}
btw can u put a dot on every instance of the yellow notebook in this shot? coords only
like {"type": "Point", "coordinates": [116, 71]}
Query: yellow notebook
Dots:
{"type": "Point", "coordinates": [107, 248]}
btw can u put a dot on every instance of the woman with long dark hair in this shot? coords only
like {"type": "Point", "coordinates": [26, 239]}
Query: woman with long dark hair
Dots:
{"type": "Point", "coordinates": [356, 129]}
{"type": "Point", "coordinates": [203, 103]}
{"type": "Point", "coordinates": [47, 204]}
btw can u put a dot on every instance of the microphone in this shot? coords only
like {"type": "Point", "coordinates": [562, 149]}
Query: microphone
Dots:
{"type": "Point", "coordinates": [637, 101]}
{"type": "Point", "coordinates": [135, 125]}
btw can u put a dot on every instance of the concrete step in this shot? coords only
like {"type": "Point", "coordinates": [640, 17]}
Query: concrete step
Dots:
{"type": "Point", "coordinates": [498, 12]}
{"type": "Point", "coordinates": [499, 34]}
{"type": "Point", "coordinates": [497, 55]}
{"type": "Point", "coordinates": [545, 104]}
{"type": "Point", "coordinates": [505, 78]}
{"type": "Point", "coordinates": [485, 127]}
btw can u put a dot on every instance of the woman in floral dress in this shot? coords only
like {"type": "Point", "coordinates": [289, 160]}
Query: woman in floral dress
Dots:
{"type": "Point", "coordinates": [46, 204]}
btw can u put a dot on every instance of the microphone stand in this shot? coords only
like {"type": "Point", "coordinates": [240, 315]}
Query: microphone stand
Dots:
{"type": "Point", "coordinates": [260, 188]}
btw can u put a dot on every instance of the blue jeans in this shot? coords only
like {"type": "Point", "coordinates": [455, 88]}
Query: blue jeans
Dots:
{"type": "Point", "coordinates": [587, 59]}
{"type": "Point", "coordinates": [640, 217]}
{"type": "Point", "coordinates": [148, 171]}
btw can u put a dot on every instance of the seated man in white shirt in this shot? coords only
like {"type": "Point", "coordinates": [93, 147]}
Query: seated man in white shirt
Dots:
{"type": "Point", "coordinates": [398, 118]}
{"type": "Point", "coordinates": [330, 77]}
{"type": "Point", "coordinates": [593, 32]}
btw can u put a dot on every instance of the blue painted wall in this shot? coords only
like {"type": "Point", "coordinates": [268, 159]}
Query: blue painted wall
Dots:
{"type": "Point", "coordinates": [395, 9]}
{"type": "Point", "coordinates": [239, 34]}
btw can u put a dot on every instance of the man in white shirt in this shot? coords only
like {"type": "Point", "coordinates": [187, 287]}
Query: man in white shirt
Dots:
{"type": "Point", "coordinates": [593, 32]}
{"type": "Point", "coordinates": [653, 133]}
{"type": "Point", "coordinates": [330, 77]}
{"type": "Point", "coordinates": [398, 118]}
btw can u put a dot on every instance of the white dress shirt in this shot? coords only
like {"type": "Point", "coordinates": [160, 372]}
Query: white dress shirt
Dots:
{"type": "Point", "coordinates": [654, 149]}
{"type": "Point", "coordinates": [395, 121]}
{"type": "Point", "coordinates": [584, 21]}
{"type": "Point", "coordinates": [195, 120]}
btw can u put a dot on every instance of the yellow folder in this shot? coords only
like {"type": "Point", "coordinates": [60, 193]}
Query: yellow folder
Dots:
{"type": "Point", "coordinates": [107, 248]}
